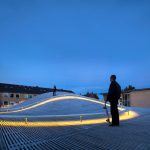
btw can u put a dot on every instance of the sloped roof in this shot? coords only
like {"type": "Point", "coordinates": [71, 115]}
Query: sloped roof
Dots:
{"type": "Point", "coordinates": [13, 88]}
{"type": "Point", "coordinates": [144, 89]}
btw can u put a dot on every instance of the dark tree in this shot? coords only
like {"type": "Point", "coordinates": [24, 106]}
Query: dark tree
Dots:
{"type": "Point", "coordinates": [92, 95]}
{"type": "Point", "coordinates": [129, 88]}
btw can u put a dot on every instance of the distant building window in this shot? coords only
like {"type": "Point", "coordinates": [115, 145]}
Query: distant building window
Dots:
{"type": "Point", "coordinates": [5, 102]}
{"type": "Point", "coordinates": [17, 95]}
{"type": "Point", "coordinates": [25, 95]}
{"type": "Point", "coordinates": [12, 95]}
{"type": "Point", "coordinates": [30, 96]}
{"type": "Point", "coordinates": [12, 103]}
{"type": "Point", "coordinates": [5, 95]}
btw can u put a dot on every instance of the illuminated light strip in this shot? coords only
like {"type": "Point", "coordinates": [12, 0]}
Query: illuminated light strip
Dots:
{"type": "Point", "coordinates": [57, 99]}
{"type": "Point", "coordinates": [50, 116]}
{"type": "Point", "coordinates": [124, 116]}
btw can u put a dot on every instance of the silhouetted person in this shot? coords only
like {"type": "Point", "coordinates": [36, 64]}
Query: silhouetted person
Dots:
{"type": "Point", "coordinates": [113, 97]}
{"type": "Point", "coordinates": [54, 90]}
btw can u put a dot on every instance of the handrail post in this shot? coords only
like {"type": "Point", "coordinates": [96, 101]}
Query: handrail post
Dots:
{"type": "Point", "coordinates": [26, 120]}
{"type": "Point", "coordinates": [80, 118]}
{"type": "Point", "coordinates": [128, 108]}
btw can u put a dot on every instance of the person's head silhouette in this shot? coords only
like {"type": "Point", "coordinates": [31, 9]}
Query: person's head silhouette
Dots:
{"type": "Point", "coordinates": [113, 78]}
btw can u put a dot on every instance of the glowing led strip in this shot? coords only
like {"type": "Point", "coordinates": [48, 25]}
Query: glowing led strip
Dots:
{"type": "Point", "coordinates": [57, 99]}
{"type": "Point", "coordinates": [50, 116]}
{"type": "Point", "coordinates": [124, 116]}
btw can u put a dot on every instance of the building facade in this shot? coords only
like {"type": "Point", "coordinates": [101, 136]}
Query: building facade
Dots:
{"type": "Point", "coordinates": [135, 98]}
{"type": "Point", "coordinates": [140, 98]}
{"type": "Point", "coordinates": [12, 98]}
{"type": "Point", "coordinates": [11, 94]}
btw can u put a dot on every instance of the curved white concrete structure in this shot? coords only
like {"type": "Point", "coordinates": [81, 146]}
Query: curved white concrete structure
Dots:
{"type": "Point", "coordinates": [63, 109]}
{"type": "Point", "coordinates": [62, 104]}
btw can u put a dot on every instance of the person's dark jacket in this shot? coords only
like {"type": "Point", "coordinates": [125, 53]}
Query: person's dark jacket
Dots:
{"type": "Point", "coordinates": [114, 92]}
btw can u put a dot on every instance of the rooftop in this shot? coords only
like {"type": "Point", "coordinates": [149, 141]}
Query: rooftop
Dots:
{"type": "Point", "coordinates": [13, 88]}
{"type": "Point", "coordinates": [132, 134]}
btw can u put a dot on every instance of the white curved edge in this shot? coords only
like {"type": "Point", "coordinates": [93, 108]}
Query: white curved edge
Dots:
{"type": "Point", "coordinates": [56, 98]}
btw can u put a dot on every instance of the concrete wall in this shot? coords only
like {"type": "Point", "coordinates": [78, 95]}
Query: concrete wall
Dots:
{"type": "Point", "coordinates": [140, 98]}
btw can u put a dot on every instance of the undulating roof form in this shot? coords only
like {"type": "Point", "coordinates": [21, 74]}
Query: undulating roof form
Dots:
{"type": "Point", "coordinates": [64, 121]}
{"type": "Point", "coordinates": [62, 104]}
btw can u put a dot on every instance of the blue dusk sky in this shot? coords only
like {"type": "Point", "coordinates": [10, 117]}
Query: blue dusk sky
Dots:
{"type": "Point", "coordinates": [75, 44]}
